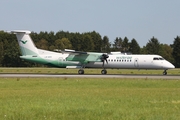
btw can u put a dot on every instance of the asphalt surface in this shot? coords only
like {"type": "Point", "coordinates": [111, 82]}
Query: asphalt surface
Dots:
{"type": "Point", "coordinates": [88, 76]}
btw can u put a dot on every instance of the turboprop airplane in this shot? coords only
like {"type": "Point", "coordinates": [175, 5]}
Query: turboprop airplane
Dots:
{"type": "Point", "coordinates": [76, 59]}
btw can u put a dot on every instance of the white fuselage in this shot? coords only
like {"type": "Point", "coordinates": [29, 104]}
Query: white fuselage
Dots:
{"type": "Point", "coordinates": [118, 61]}
{"type": "Point", "coordinates": [134, 62]}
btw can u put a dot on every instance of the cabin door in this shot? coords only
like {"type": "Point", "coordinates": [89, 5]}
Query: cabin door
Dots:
{"type": "Point", "coordinates": [136, 65]}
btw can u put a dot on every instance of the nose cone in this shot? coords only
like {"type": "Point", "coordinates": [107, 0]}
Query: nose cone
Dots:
{"type": "Point", "coordinates": [169, 65]}
{"type": "Point", "coordinates": [172, 66]}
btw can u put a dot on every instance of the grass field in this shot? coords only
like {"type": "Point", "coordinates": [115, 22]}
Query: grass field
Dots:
{"type": "Point", "coordinates": [88, 98]}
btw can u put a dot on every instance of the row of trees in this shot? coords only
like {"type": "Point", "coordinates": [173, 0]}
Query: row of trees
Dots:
{"type": "Point", "coordinates": [89, 41]}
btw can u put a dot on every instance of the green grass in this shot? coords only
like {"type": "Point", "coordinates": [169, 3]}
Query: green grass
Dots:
{"type": "Point", "coordinates": [87, 71]}
{"type": "Point", "coordinates": [89, 99]}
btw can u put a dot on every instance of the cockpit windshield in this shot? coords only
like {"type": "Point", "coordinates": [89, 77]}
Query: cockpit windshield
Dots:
{"type": "Point", "coordinates": [156, 58]}
{"type": "Point", "coordinates": [161, 58]}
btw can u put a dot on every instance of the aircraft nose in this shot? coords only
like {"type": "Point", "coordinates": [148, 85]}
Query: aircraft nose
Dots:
{"type": "Point", "coordinates": [171, 66]}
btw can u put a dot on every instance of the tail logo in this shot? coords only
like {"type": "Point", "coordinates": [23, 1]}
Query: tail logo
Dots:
{"type": "Point", "coordinates": [24, 42]}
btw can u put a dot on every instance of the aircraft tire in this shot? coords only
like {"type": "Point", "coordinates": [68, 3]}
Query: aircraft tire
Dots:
{"type": "Point", "coordinates": [103, 71]}
{"type": "Point", "coordinates": [81, 71]}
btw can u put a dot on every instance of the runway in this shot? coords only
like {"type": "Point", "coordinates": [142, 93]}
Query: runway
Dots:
{"type": "Point", "coordinates": [88, 76]}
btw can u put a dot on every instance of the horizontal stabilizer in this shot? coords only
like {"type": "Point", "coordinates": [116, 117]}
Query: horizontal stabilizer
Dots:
{"type": "Point", "coordinates": [21, 31]}
{"type": "Point", "coordinates": [73, 51]}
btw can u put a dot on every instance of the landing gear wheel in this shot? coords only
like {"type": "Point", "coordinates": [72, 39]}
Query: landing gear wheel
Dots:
{"type": "Point", "coordinates": [81, 71]}
{"type": "Point", "coordinates": [165, 72]}
{"type": "Point", "coordinates": [103, 71]}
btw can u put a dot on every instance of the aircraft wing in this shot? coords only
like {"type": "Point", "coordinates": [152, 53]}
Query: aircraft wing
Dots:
{"type": "Point", "coordinates": [87, 57]}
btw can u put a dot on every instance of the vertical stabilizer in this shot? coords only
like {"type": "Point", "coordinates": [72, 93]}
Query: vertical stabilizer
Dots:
{"type": "Point", "coordinates": [25, 42]}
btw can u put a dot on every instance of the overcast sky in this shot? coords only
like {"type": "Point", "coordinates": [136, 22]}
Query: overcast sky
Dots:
{"type": "Point", "coordinates": [139, 19]}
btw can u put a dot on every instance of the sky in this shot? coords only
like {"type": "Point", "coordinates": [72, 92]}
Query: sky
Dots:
{"type": "Point", "coordinates": [138, 19]}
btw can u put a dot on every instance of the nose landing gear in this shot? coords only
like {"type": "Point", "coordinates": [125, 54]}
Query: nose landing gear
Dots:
{"type": "Point", "coordinates": [165, 72]}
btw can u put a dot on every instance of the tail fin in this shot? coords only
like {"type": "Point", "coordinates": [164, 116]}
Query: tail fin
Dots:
{"type": "Point", "coordinates": [25, 42]}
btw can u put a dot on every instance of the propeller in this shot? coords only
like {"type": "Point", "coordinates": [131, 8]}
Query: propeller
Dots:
{"type": "Point", "coordinates": [104, 58]}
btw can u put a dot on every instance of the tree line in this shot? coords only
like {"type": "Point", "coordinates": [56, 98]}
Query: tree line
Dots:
{"type": "Point", "coordinates": [88, 41]}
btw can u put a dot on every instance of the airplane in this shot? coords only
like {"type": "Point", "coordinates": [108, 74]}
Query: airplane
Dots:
{"type": "Point", "coordinates": [76, 59]}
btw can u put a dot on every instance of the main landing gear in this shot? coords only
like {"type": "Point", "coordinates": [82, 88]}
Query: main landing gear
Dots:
{"type": "Point", "coordinates": [103, 59]}
{"type": "Point", "coordinates": [104, 71]}
{"type": "Point", "coordinates": [165, 72]}
{"type": "Point", "coordinates": [80, 71]}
